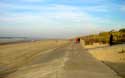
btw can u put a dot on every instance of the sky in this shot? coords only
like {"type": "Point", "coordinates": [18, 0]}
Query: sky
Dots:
{"type": "Point", "coordinates": [60, 18]}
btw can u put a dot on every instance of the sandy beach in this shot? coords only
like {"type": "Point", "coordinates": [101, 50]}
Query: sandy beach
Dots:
{"type": "Point", "coordinates": [112, 56]}
{"type": "Point", "coordinates": [15, 55]}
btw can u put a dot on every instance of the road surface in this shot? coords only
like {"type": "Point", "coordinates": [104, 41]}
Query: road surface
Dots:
{"type": "Point", "coordinates": [69, 61]}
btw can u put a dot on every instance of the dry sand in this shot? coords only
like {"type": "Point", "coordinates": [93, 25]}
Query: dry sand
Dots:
{"type": "Point", "coordinates": [113, 56]}
{"type": "Point", "coordinates": [42, 59]}
{"type": "Point", "coordinates": [68, 61]}
{"type": "Point", "coordinates": [13, 56]}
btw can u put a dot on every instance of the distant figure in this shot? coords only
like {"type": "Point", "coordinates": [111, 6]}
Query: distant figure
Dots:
{"type": "Point", "coordinates": [77, 40]}
{"type": "Point", "coordinates": [111, 40]}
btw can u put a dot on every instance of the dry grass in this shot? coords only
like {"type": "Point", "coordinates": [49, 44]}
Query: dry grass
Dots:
{"type": "Point", "coordinates": [95, 45]}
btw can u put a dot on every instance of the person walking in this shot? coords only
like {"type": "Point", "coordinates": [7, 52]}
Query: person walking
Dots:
{"type": "Point", "coordinates": [111, 40]}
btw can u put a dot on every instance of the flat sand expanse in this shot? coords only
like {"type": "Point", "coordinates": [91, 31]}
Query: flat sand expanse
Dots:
{"type": "Point", "coordinates": [68, 61]}
{"type": "Point", "coordinates": [113, 56]}
{"type": "Point", "coordinates": [13, 56]}
{"type": "Point", "coordinates": [51, 59]}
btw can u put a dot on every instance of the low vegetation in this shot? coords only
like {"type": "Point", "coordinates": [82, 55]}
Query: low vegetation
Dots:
{"type": "Point", "coordinates": [103, 37]}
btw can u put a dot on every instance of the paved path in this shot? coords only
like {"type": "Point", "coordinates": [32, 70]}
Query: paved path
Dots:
{"type": "Point", "coordinates": [80, 64]}
{"type": "Point", "coordinates": [75, 62]}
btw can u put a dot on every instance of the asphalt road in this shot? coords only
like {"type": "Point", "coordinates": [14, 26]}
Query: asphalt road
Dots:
{"type": "Point", "coordinates": [69, 61]}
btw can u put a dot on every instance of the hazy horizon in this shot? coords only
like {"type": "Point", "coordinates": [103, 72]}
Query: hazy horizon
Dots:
{"type": "Point", "coordinates": [60, 19]}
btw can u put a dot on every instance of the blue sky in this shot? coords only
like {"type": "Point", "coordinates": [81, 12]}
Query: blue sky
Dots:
{"type": "Point", "coordinates": [60, 18]}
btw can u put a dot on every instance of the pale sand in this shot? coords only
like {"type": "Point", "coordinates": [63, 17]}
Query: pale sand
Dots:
{"type": "Point", "coordinates": [16, 55]}
{"type": "Point", "coordinates": [69, 61]}
{"type": "Point", "coordinates": [113, 56]}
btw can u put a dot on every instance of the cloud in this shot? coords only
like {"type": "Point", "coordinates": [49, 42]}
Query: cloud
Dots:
{"type": "Point", "coordinates": [82, 1]}
{"type": "Point", "coordinates": [32, 0]}
{"type": "Point", "coordinates": [122, 8]}
{"type": "Point", "coordinates": [51, 18]}
{"type": "Point", "coordinates": [54, 6]}
{"type": "Point", "coordinates": [64, 14]}
{"type": "Point", "coordinates": [93, 1]}
{"type": "Point", "coordinates": [97, 8]}
{"type": "Point", "coordinates": [64, 18]}
{"type": "Point", "coordinates": [62, 10]}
